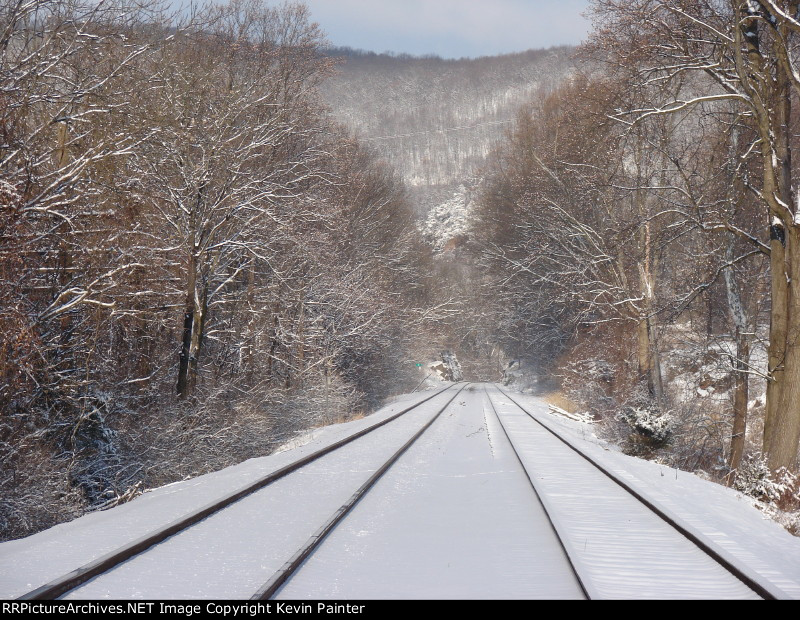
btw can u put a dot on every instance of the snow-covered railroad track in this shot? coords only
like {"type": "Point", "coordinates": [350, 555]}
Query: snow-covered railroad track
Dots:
{"type": "Point", "coordinates": [71, 583]}
{"type": "Point", "coordinates": [282, 575]}
{"type": "Point", "coordinates": [620, 543]}
{"type": "Point", "coordinates": [463, 495]}
{"type": "Point", "coordinates": [454, 517]}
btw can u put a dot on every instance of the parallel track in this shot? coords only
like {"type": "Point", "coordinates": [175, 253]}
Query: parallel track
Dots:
{"type": "Point", "coordinates": [574, 562]}
{"type": "Point", "coordinates": [70, 581]}
{"type": "Point", "coordinates": [761, 587]}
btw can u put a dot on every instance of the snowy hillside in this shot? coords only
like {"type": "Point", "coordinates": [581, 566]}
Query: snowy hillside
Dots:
{"type": "Point", "coordinates": [436, 120]}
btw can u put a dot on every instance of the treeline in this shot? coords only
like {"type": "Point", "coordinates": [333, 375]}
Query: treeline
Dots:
{"type": "Point", "coordinates": [343, 51]}
{"type": "Point", "coordinates": [195, 260]}
{"type": "Point", "coordinates": [643, 223]}
{"type": "Point", "coordinates": [389, 57]}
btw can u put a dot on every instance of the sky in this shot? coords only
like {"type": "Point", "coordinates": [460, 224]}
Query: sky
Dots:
{"type": "Point", "coordinates": [451, 28]}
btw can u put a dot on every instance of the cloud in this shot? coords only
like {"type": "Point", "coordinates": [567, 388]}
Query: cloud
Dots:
{"type": "Point", "coordinates": [451, 27]}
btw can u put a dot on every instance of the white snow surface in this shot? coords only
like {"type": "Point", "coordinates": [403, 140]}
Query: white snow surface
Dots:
{"type": "Point", "coordinates": [726, 518]}
{"type": "Point", "coordinates": [448, 220]}
{"type": "Point", "coordinates": [28, 563]}
{"type": "Point", "coordinates": [453, 518]}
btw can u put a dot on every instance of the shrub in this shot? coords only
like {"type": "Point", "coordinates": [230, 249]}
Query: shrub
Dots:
{"type": "Point", "coordinates": [754, 478]}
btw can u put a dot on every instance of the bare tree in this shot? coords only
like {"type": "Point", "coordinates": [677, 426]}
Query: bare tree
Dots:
{"type": "Point", "coordinates": [234, 144]}
{"type": "Point", "coordinates": [742, 53]}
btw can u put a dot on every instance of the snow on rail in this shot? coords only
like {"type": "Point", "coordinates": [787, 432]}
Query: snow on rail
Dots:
{"type": "Point", "coordinates": [717, 516]}
{"type": "Point", "coordinates": [29, 563]}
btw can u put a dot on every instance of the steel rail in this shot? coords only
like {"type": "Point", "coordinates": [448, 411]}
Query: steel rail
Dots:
{"type": "Point", "coordinates": [761, 587]}
{"type": "Point", "coordinates": [569, 552]}
{"type": "Point", "coordinates": [73, 579]}
{"type": "Point", "coordinates": [283, 574]}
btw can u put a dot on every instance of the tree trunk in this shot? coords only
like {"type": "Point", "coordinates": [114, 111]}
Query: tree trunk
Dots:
{"type": "Point", "coordinates": [740, 399]}
{"type": "Point", "coordinates": [657, 388]}
{"type": "Point", "coordinates": [184, 386]}
{"type": "Point", "coordinates": [643, 350]}
{"type": "Point", "coordinates": [301, 349]}
{"type": "Point", "coordinates": [246, 357]}
{"type": "Point", "coordinates": [782, 407]}
{"type": "Point", "coordinates": [198, 328]}
{"type": "Point", "coordinates": [60, 154]}
{"type": "Point", "coordinates": [779, 315]}
{"type": "Point", "coordinates": [785, 425]}
{"type": "Point", "coordinates": [273, 346]}
{"type": "Point", "coordinates": [649, 362]}
{"type": "Point", "coordinates": [648, 358]}
{"type": "Point", "coordinates": [186, 344]}
{"type": "Point", "coordinates": [777, 328]}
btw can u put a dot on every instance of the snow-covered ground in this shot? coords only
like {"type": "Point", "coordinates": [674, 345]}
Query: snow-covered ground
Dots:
{"type": "Point", "coordinates": [30, 562]}
{"type": "Point", "coordinates": [455, 517]}
{"type": "Point", "coordinates": [721, 516]}
{"type": "Point", "coordinates": [448, 221]}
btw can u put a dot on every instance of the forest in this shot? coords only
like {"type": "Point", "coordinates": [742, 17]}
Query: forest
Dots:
{"type": "Point", "coordinates": [643, 221]}
{"type": "Point", "coordinates": [217, 230]}
{"type": "Point", "coordinates": [196, 261]}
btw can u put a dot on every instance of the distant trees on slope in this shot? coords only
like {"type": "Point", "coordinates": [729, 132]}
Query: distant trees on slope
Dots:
{"type": "Point", "coordinates": [437, 119]}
